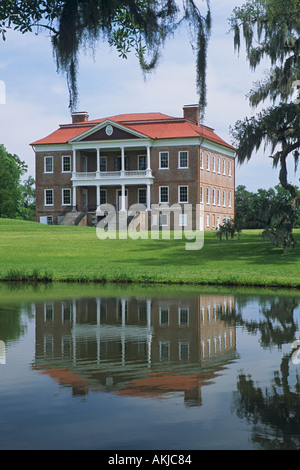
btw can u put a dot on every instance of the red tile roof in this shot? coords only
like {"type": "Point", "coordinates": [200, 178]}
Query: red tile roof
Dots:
{"type": "Point", "coordinates": [153, 125]}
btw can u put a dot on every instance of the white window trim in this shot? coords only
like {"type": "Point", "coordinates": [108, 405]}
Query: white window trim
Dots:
{"type": "Point", "coordinates": [201, 194]}
{"type": "Point", "coordinates": [62, 164]}
{"type": "Point", "coordinates": [224, 198]}
{"type": "Point", "coordinates": [229, 198]}
{"type": "Point", "coordinates": [218, 165]}
{"type": "Point", "coordinates": [142, 189]}
{"type": "Point", "coordinates": [105, 190]}
{"type": "Point", "coordinates": [224, 167]}
{"type": "Point", "coordinates": [188, 316]}
{"type": "Point", "coordinates": [214, 196]}
{"type": "Point", "coordinates": [214, 163]}
{"type": "Point", "coordinates": [229, 168]}
{"type": "Point", "coordinates": [164, 308]}
{"type": "Point", "coordinates": [201, 161]}
{"type": "Point", "coordinates": [207, 220]}
{"type": "Point", "coordinates": [163, 202]}
{"type": "Point", "coordinates": [167, 220]}
{"type": "Point", "coordinates": [183, 167]}
{"type": "Point", "coordinates": [182, 220]}
{"type": "Point", "coordinates": [183, 186]}
{"type": "Point", "coordinates": [164, 168]}
{"type": "Point", "coordinates": [138, 161]}
{"type": "Point", "coordinates": [219, 198]}
{"type": "Point", "coordinates": [207, 162]}
{"type": "Point", "coordinates": [45, 204]}
{"type": "Point", "coordinates": [45, 158]}
{"type": "Point", "coordinates": [104, 157]}
{"type": "Point", "coordinates": [208, 195]}
{"type": "Point", "coordinates": [62, 197]}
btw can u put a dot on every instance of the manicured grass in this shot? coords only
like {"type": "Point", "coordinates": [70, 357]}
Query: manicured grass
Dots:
{"type": "Point", "coordinates": [33, 252]}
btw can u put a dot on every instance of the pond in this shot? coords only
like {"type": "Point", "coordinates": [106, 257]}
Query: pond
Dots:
{"type": "Point", "coordinates": [148, 368]}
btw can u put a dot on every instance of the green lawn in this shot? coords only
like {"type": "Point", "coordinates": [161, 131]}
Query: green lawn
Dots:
{"type": "Point", "coordinates": [30, 250]}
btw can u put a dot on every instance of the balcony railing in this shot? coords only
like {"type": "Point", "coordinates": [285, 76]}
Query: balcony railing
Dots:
{"type": "Point", "coordinates": [107, 175]}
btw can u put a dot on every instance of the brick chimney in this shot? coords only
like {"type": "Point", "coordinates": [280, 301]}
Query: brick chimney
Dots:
{"type": "Point", "coordinates": [81, 116]}
{"type": "Point", "coordinates": [192, 113]}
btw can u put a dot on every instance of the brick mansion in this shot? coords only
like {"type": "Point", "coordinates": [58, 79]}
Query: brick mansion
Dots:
{"type": "Point", "coordinates": [145, 158]}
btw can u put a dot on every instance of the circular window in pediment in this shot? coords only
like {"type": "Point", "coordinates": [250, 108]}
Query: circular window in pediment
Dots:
{"type": "Point", "coordinates": [109, 130]}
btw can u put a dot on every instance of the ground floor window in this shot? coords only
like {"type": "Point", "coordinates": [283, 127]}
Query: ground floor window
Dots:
{"type": "Point", "coordinates": [103, 196]}
{"type": "Point", "coordinates": [183, 194]}
{"type": "Point", "coordinates": [66, 197]}
{"type": "Point", "coordinates": [182, 220]}
{"type": "Point", "coordinates": [164, 194]}
{"type": "Point", "coordinates": [48, 197]}
{"type": "Point", "coordinates": [49, 220]}
{"type": "Point", "coordinates": [142, 196]}
{"type": "Point", "coordinates": [163, 220]}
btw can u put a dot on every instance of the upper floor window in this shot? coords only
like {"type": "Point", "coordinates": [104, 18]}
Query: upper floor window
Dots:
{"type": "Point", "coordinates": [163, 160]}
{"type": "Point", "coordinates": [218, 164]}
{"type": "Point", "coordinates": [229, 167]}
{"type": "Point", "coordinates": [183, 159]}
{"type": "Point", "coordinates": [201, 160]}
{"type": "Point", "coordinates": [48, 197]}
{"type": "Point", "coordinates": [224, 166]}
{"type": "Point", "coordinates": [214, 196]}
{"type": "Point", "coordinates": [214, 163]}
{"type": "Point", "coordinates": [229, 198]}
{"type": "Point", "coordinates": [224, 198]}
{"type": "Point", "coordinates": [207, 162]}
{"type": "Point", "coordinates": [164, 194]}
{"type": "Point", "coordinates": [142, 196]}
{"type": "Point", "coordinates": [183, 194]}
{"type": "Point", "coordinates": [142, 162]}
{"type": "Point", "coordinates": [48, 164]}
{"type": "Point", "coordinates": [219, 197]}
{"type": "Point", "coordinates": [66, 163]}
{"type": "Point", "coordinates": [103, 164]}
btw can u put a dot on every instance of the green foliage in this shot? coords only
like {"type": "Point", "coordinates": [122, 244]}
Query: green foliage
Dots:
{"type": "Point", "coordinates": [141, 26]}
{"type": "Point", "coordinates": [271, 210]}
{"type": "Point", "coordinates": [17, 200]}
{"type": "Point", "coordinates": [229, 229]}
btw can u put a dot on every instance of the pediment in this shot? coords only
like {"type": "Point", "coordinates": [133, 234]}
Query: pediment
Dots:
{"type": "Point", "coordinates": [108, 131]}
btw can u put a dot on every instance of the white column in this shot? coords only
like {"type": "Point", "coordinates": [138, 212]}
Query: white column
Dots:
{"type": "Point", "coordinates": [98, 160]}
{"type": "Point", "coordinates": [122, 159]}
{"type": "Point", "coordinates": [74, 202]}
{"type": "Point", "coordinates": [148, 158]}
{"type": "Point", "coordinates": [148, 197]}
{"type": "Point", "coordinates": [123, 208]}
{"type": "Point", "coordinates": [98, 195]}
{"type": "Point", "coordinates": [74, 161]}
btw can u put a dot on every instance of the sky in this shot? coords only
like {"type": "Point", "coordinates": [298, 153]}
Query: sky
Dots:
{"type": "Point", "coordinates": [35, 97]}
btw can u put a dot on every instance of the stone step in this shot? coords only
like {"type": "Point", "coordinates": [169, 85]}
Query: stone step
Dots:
{"type": "Point", "coordinates": [69, 218]}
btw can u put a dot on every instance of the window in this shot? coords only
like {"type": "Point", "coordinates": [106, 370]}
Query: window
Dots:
{"type": "Point", "coordinates": [49, 220]}
{"type": "Point", "coordinates": [142, 196]}
{"type": "Point", "coordinates": [224, 166]}
{"type": "Point", "coordinates": [163, 220]}
{"type": "Point", "coordinates": [164, 194]}
{"type": "Point", "coordinates": [214, 196]}
{"type": "Point", "coordinates": [218, 165]}
{"type": "Point", "coordinates": [219, 197]}
{"type": "Point", "coordinates": [214, 163]}
{"type": "Point", "coordinates": [229, 198]}
{"type": "Point", "coordinates": [229, 168]}
{"type": "Point", "coordinates": [184, 350]}
{"type": "Point", "coordinates": [163, 316]}
{"type": "Point", "coordinates": [183, 160]}
{"type": "Point", "coordinates": [163, 160]}
{"type": "Point", "coordinates": [142, 162]}
{"type": "Point", "coordinates": [207, 162]}
{"type": "Point", "coordinates": [207, 220]}
{"type": "Point", "coordinates": [66, 197]}
{"type": "Point", "coordinates": [103, 196]}
{"type": "Point", "coordinates": [224, 198]}
{"type": "Point", "coordinates": [66, 163]}
{"type": "Point", "coordinates": [103, 164]}
{"type": "Point", "coordinates": [201, 160]}
{"type": "Point", "coordinates": [183, 316]}
{"type": "Point", "coordinates": [183, 194]}
{"type": "Point", "coordinates": [201, 195]}
{"type": "Point", "coordinates": [48, 164]}
{"type": "Point", "coordinates": [182, 220]}
{"type": "Point", "coordinates": [207, 196]}
{"type": "Point", "coordinates": [48, 197]}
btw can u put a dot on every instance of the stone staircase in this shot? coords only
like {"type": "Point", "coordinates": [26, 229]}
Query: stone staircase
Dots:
{"type": "Point", "coordinates": [69, 218]}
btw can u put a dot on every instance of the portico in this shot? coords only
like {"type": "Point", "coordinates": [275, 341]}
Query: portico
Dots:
{"type": "Point", "coordinates": [106, 166]}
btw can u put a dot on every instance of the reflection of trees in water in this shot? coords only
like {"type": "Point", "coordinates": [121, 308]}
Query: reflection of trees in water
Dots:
{"type": "Point", "coordinates": [274, 411]}
{"type": "Point", "coordinates": [11, 325]}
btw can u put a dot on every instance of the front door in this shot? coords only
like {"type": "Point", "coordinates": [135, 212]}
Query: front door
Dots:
{"type": "Point", "coordinates": [118, 199]}
{"type": "Point", "coordinates": [85, 200]}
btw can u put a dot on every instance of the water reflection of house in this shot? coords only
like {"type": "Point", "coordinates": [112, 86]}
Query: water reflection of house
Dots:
{"type": "Point", "coordinates": [135, 346]}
